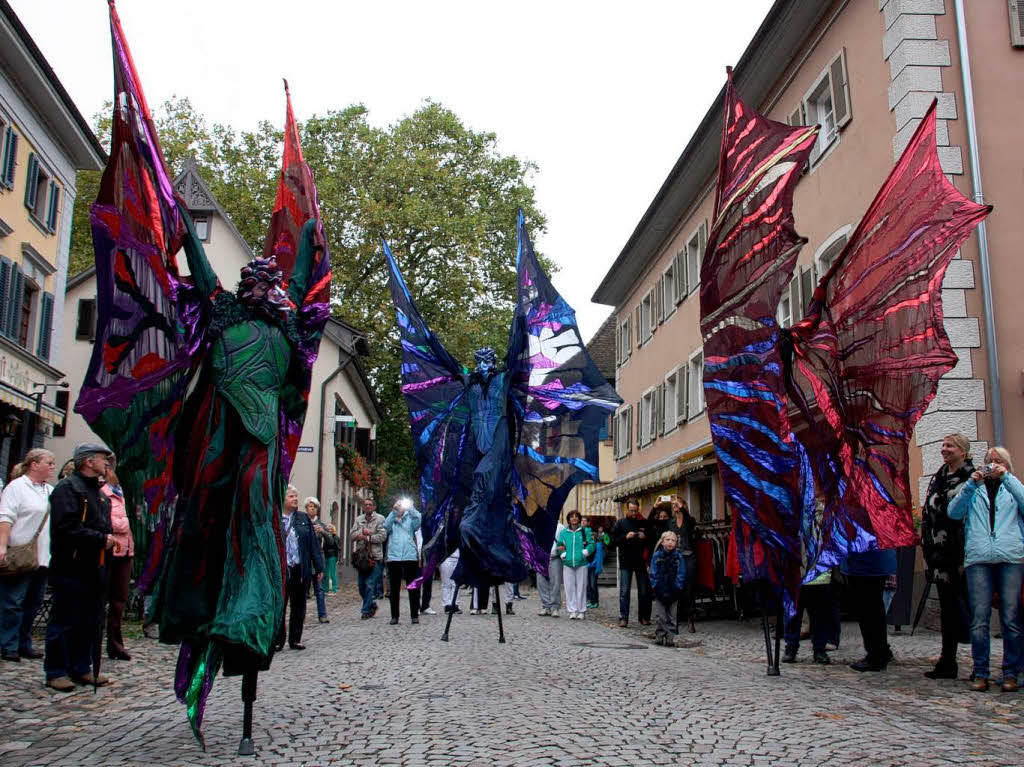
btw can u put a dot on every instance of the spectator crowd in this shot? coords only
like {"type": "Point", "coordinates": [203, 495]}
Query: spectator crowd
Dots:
{"type": "Point", "coordinates": [69, 545]}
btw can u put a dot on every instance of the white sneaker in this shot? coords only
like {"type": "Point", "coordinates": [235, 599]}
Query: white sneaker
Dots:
{"type": "Point", "coordinates": [554, 613]}
{"type": "Point", "coordinates": [428, 611]}
{"type": "Point", "coordinates": [581, 616]}
{"type": "Point", "coordinates": [545, 611]}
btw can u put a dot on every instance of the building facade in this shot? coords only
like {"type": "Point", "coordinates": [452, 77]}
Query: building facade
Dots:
{"type": "Point", "coordinates": [44, 142]}
{"type": "Point", "coordinates": [866, 72]}
{"type": "Point", "coordinates": [341, 410]}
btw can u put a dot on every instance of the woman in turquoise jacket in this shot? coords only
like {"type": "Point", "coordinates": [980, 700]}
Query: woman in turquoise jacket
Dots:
{"type": "Point", "coordinates": [575, 547]}
{"type": "Point", "coordinates": [992, 504]}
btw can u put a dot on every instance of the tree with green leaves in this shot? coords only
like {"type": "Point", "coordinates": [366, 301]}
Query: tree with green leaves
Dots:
{"type": "Point", "coordinates": [440, 193]}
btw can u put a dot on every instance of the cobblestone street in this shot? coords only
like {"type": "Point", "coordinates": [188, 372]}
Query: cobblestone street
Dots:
{"type": "Point", "coordinates": [560, 692]}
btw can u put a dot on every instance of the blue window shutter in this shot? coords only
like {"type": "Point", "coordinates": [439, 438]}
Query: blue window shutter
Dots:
{"type": "Point", "coordinates": [45, 325]}
{"type": "Point", "coordinates": [17, 294]}
{"type": "Point", "coordinates": [5, 281]}
{"type": "Point", "coordinates": [30, 182]}
{"type": "Point", "coordinates": [51, 217]}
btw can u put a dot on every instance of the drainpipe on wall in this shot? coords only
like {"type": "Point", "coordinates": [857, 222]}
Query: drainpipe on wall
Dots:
{"type": "Point", "coordinates": [320, 443]}
{"type": "Point", "coordinates": [995, 396]}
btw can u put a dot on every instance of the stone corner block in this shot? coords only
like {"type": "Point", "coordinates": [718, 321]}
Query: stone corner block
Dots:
{"type": "Point", "coordinates": [934, 426]}
{"type": "Point", "coordinates": [916, 103]}
{"type": "Point", "coordinates": [963, 331]}
{"type": "Point", "coordinates": [932, 53]}
{"type": "Point", "coordinates": [959, 274]}
{"type": "Point", "coordinates": [893, 9]}
{"type": "Point", "coordinates": [954, 303]}
{"type": "Point", "coordinates": [951, 159]}
{"type": "Point", "coordinates": [911, 79]}
{"type": "Point", "coordinates": [902, 138]}
{"type": "Point", "coordinates": [963, 394]}
{"type": "Point", "coordinates": [908, 27]}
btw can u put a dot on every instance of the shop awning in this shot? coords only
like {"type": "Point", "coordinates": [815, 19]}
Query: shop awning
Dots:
{"type": "Point", "coordinates": [22, 401]}
{"type": "Point", "coordinates": [658, 474]}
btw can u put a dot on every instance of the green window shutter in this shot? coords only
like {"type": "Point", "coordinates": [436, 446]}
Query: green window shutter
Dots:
{"type": "Point", "coordinates": [30, 182]}
{"type": "Point", "coordinates": [51, 216]}
{"type": "Point", "coordinates": [15, 296]}
{"type": "Point", "coordinates": [45, 325]}
{"type": "Point", "coordinates": [10, 158]}
{"type": "Point", "coordinates": [5, 281]}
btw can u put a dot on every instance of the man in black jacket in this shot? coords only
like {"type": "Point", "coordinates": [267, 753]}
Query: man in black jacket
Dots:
{"type": "Point", "coordinates": [303, 559]}
{"type": "Point", "coordinates": [630, 536]}
{"type": "Point", "coordinates": [80, 537]}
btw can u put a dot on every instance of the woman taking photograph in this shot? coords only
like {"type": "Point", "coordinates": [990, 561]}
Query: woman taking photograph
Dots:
{"type": "Point", "coordinates": [942, 540]}
{"type": "Point", "coordinates": [24, 508]}
{"type": "Point", "coordinates": [991, 504]}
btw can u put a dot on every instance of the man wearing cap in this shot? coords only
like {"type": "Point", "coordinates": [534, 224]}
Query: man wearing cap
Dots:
{"type": "Point", "coordinates": [80, 539]}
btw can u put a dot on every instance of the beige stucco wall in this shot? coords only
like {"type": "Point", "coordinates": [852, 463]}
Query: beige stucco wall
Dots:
{"type": "Point", "coordinates": [836, 191]}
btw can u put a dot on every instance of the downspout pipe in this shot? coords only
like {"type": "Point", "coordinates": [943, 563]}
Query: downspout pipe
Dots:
{"type": "Point", "coordinates": [320, 443]}
{"type": "Point", "coordinates": [995, 395]}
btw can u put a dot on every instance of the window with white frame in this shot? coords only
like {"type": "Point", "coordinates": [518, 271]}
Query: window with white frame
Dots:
{"type": "Point", "coordinates": [827, 104]}
{"type": "Point", "coordinates": [694, 253]}
{"type": "Point", "coordinates": [42, 194]}
{"type": "Point", "coordinates": [670, 397]}
{"type": "Point", "coordinates": [625, 342]}
{"type": "Point", "coordinates": [785, 312]}
{"type": "Point", "coordinates": [695, 396]}
{"type": "Point", "coordinates": [202, 225]}
{"type": "Point", "coordinates": [646, 307]}
{"type": "Point", "coordinates": [829, 254]}
{"type": "Point", "coordinates": [623, 432]}
{"type": "Point", "coordinates": [648, 426]}
{"type": "Point", "coordinates": [668, 288]}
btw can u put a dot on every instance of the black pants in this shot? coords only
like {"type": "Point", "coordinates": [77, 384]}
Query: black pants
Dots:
{"type": "Point", "coordinates": [76, 612]}
{"type": "Point", "coordinates": [426, 590]}
{"type": "Point", "coordinates": [953, 618]}
{"type": "Point", "coordinates": [295, 600]}
{"type": "Point", "coordinates": [118, 591]}
{"type": "Point", "coordinates": [407, 570]}
{"type": "Point", "coordinates": [866, 592]}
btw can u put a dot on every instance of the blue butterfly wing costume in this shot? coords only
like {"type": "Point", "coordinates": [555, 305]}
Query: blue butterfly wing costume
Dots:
{"type": "Point", "coordinates": [499, 449]}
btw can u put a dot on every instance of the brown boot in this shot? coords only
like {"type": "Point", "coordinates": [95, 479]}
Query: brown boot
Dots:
{"type": "Point", "coordinates": [87, 679]}
{"type": "Point", "coordinates": [60, 684]}
{"type": "Point", "coordinates": [1010, 684]}
{"type": "Point", "coordinates": [980, 684]}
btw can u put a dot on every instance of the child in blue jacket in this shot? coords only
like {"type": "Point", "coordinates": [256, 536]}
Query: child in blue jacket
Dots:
{"type": "Point", "coordinates": [668, 577]}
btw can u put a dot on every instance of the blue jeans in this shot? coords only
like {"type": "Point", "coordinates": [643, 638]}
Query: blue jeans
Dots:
{"type": "Point", "coordinates": [367, 581]}
{"type": "Point", "coordinates": [20, 599]}
{"type": "Point", "coordinates": [321, 602]}
{"type": "Point", "coordinates": [982, 581]}
{"type": "Point", "coordinates": [643, 593]}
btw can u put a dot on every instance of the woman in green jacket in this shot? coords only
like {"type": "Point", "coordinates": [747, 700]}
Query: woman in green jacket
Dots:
{"type": "Point", "coordinates": [575, 547]}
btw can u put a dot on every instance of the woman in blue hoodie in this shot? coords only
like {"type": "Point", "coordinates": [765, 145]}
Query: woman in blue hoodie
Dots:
{"type": "Point", "coordinates": [992, 504]}
{"type": "Point", "coordinates": [668, 579]}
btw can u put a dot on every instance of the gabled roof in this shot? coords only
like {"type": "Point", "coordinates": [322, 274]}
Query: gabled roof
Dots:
{"type": "Point", "coordinates": [602, 348]}
{"type": "Point", "coordinates": [24, 63]}
{"type": "Point", "coordinates": [197, 198]}
{"type": "Point", "coordinates": [766, 58]}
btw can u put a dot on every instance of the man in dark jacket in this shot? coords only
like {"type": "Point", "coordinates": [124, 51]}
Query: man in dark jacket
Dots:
{"type": "Point", "coordinates": [630, 536]}
{"type": "Point", "coordinates": [304, 559]}
{"type": "Point", "coordinates": [80, 537]}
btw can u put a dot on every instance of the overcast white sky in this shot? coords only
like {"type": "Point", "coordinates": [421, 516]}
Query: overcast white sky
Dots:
{"type": "Point", "coordinates": [603, 96]}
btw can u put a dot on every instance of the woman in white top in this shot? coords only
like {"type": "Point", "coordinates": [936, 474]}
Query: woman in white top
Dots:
{"type": "Point", "coordinates": [23, 508]}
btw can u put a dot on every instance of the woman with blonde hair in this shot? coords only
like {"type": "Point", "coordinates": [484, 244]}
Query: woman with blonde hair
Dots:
{"type": "Point", "coordinates": [942, 541]}
{"type": "Point", "coordinates": [24, 512]}
{"type": "Point", "coordinates": [992, 505]}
